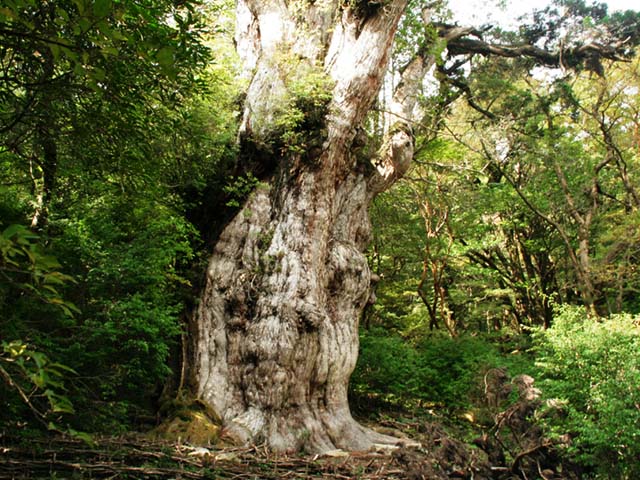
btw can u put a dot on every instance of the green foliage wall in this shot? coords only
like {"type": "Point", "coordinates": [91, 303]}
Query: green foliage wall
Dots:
{"type": "Point", "coordinates": [112, 136]}
{"type": "Point", "coordinates": [435, 370]}
{"type": "Point", "coordinates": [590, 372]}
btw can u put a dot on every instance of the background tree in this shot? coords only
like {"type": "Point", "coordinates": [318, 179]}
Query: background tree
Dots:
{"type": "Point", "coordinates": [580, 182]}
{"type": "Point", "coordinates": [518, 165]}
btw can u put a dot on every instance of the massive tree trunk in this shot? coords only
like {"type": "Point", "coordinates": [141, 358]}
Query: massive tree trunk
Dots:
{"type": "Point", "coordinates": [277, 325]}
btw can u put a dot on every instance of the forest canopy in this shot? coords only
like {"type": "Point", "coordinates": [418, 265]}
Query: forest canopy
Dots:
{"type": "Point", "coordinates": [218, 205]}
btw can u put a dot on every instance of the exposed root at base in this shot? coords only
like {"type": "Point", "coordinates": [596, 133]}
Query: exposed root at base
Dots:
{"type": "Point", "coordinates": [311, 433]}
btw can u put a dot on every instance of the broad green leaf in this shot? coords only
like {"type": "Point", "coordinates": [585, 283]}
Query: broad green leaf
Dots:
{"type": "Point", "coordinates": [165, 57]}
{"type": "Point", "coordinates": [61, 367]}
{"type": "Point", "coordinates": [85, 437]}
{"type": "Point", "coordinates": [59, 403]}
{"type": "Point", "coordinates": [12, 230]}
{"type": "Point", "coordinates": [62, 13]}
{"type": "Point", "coordinates": [48, 262]}
{"type": "Point", "coordinates": [7, 13]}
{"type": "Point", "coordinates": [98, 74]}
{"type": "Point", "coordinates": [79, 69]}
{"type": "Point", "coordinates": [81, 5]}
{"type": "Point", "coordinates": [107, 51]}
{"type": "Point", "coordinates": [101, 8]}
{"type": "Point", "coordinates": [40, 358]}
{"type": "Point", "coordinates": [85, 24]}
{"type": "Point", "coordinates": [55, 51]}
{"type": "Point", "coordinates": [51, 289]}
{"type": "Point", "coordinates": [60, 41]}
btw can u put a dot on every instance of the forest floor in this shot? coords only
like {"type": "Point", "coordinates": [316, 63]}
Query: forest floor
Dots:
{"type": "Point", "coordinates": [491, 443]}
{"type": "Point", "coordinates": [135, 456]}
{"type": "Point", "coordinates": [442, 455]}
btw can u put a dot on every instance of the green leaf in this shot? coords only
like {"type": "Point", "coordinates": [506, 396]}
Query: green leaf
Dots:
{"type": "Point", "coordinates": [79, 69]}
{"type": "Point", "coordinates": [85, 437]}
{"type": "Point", "coordinates": [98, 74]}
{"type": "Point", "coordinates": [55, 51]}
{"type": "Point", "coordinates": [59, 368]}
{"type": "Point", "coordinates": [62, 13]}
{"type": "Point", "coordinates": [40, 359]}
{"type": "Point", "coordinates": [15, 229]}
{"type": "Point", "coordinates": [48, 262]}
{"type": "Point", "coordinates": [165, 58]}
{"type": "Point", "coordinates": [69, 308]}
{"type": "Point", "coordinates": [81, 5]}
{"type": "Point", "coordinates": [107, 51]}
{"type": "Point", "coordinates": [60, 41]}
{"type": "Point", "coordinates": [102, 8]}
{"type": "Point", "coordinates": [59, 403]}
{"type": "Point", "coordinates": [85, 24]}
{"type": "Point", "coordinates": [54, 278]}
{"type": "Point", "coordinates": [118, 35]}
{"type": "Point", "coordinates": [7, 13]}
{"type": "Point", "coordinates": [51, 289]}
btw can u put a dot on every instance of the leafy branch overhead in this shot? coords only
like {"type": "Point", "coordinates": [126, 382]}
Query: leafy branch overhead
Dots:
{"type": "Point", "coordinates": [587, 55]}
{"type": "Point", "coordinates": [574, 37]}
{"type": "Point", "coordinates": [26, 266]}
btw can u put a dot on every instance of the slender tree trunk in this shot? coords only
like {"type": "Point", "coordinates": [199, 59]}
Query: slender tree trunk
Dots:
{"type": "Point", "coordinates": [277, 325]}
{"type": "Point", "coordinates": [431, 304]}
{"type": "Point", "coordinates": [436, 221]}
{"type": "Point", "coordinates": [44, 165]}
{"type": "Point", "coordinates": [582, 259]}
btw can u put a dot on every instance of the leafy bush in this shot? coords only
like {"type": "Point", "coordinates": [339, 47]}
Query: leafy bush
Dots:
{"type": "Point", "coordinates": [113, 317]}
{"type": "Point", "coordinates": [387, 367]}
{"type": "Point", "coordinates": [436, 369]}
{"type": "Point", "coordinates": [31, 284]}
{"type": "Point", "coordinates": [129, 255]}
{"type": "Point", "coordinates": [592, 368]}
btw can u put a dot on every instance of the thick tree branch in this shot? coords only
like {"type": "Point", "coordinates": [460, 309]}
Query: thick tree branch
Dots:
{"type": "Point", "coordinates": [396, 154]}
{"type": "Point", "coordinates": [569, 57]}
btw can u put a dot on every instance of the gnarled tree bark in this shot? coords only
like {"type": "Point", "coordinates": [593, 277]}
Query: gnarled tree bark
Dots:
{"type": "Point", "coordinates": [277, 326]}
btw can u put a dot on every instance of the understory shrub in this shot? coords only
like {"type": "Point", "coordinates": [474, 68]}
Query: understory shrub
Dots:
{"type": "Point", "coordinates": [591, 367]}
{"type": "Point", "coordinates": [128, 256]}
{"type": "Point", "coordinates": [437, 369]}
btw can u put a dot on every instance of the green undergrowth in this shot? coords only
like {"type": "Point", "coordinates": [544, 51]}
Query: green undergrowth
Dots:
{"type": "Point", "coordinates": [434, 371]}
{"type": "Point", "coordinates": [589, 373]}
{"type": "Point", "coordinates": [587, 370]}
